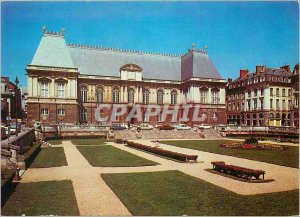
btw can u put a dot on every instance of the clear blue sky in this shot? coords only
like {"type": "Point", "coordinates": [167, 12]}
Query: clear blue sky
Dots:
{"type": "Point", "coordinates": [239, 34]}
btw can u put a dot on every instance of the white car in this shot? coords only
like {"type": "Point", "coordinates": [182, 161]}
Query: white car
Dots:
{"type": "Point", "coordinates": [182, 127]}
{"type": "Point", "coordinates": [145, 127]}
{"type": "Point", "coordinates": [204, 126]}
{"type": "Point", "coordinates": [124, 125]}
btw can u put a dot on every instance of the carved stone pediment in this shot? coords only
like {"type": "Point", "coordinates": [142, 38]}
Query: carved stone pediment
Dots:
{"type": "Point", "coordinates": [131, 68]}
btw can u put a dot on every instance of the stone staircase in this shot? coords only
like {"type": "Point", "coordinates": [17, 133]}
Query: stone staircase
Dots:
{"type": "Point", "coordinates": [125, 134]}
{"type": "Point", "coordinates": [212, 134]}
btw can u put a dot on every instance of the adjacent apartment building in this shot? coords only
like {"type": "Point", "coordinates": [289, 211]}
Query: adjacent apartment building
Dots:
{"type": "Point", "coordinates": [266, 97]}
{"type": "Point", "coordinates": [67, 82]}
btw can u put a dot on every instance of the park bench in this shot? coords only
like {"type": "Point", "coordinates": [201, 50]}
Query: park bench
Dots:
{"type": "Point", "coordinates": [237, 171]}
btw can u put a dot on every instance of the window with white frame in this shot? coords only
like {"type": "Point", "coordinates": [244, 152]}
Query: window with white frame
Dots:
{"type": "Point", "coordinates": [83, 94]}
{"type": "Point", "coordinates": [160, 97]}
{"type": "Point", "coordinates": [283, 104]}
{"type": "Point", "coordinates": [215, 96]}
{"type": "Point", "coordinates": [131, 96]}
{"type": "Point", "coordinates": [61, 112]}
{"type": "Point", "coordinates": [116, 96]}
{"type": "Point", "coordinates": [203, 96]}
{"type": "Point", "coordinates": [100, 95]}
{"type": "Point", "coordinates": [83, 114]}
{"type": "Point", "coordinates": [215, 115]}
{"type": "Point", "coordinates": [44, 89]}
{"type": "Point", "coordinates": [146, 95]}
{"type": "Point", "coordinates": [44, 111]}
{"type": "Point", "coordinates": [60, 90]}
{"type": "Point", "coordinates": [173, 97]}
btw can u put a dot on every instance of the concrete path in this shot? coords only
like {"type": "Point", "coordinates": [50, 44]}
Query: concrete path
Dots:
{"type": "Point", "coordinates": [94, 197]}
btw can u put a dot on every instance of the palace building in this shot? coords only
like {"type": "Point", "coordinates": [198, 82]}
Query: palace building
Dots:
{"type": "Point", "coordinates": [67, 82]}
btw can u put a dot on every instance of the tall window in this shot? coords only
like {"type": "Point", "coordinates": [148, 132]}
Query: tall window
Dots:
{"type": "Point", "coordinates": [146, 97]}
{"type": "Point", "coordinates": [277, 103]}
{"type": "Point", "coordinates": [83, 115]}
{"type": "Point", "coordinates": [255, 92]}
{"type": "Point", "coordinates": [255, 104]}
{"type": "Point", "coordinates": [261, 104]}
{"type": "Point", "coordinates": [214, 115]}
{"type": "Point", "coordinates": [215, 96]}
{"type": "Point", "coordinates": [277, 91]}
{"type": "Point", "coordinates": [44, 89]}
{"type": "Point", "coordinates": [44, 111]}
{"type": "Point", "coordinates": [249, 104]}
{"type": "Point", "coordinates": [116, 96]}
{"type": "Point", "coordinates": [203, 96]}
{"type": "Point", "coordinates": [283, 92]}
{"type": "Point", "coordinates": [173, 97]}
{"type": "Point", "coordinates": [271, 103]}
{"type": "Point", "coordinates": [131, 96]}
{"type": "Point", "coordinates": [100, 95]}
{"type": "Point", "coordinates": [60, 90]}
{"type": "Point", "coordinates": [261, 91]}
{"type": "Point", "coordinates": [283, 105]}
{"type": "Point", "coordinates": [83, 94]}
{"type": "Point", "coordinates": [289, 92]}
{"type": "Point", "coordinates": [271, 91]}
{"type": "Point", "coordinates": [160, 97]}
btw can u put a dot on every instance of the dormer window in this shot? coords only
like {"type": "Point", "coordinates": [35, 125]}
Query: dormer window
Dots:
{"type": "Point", "coordinates": [131, 72]}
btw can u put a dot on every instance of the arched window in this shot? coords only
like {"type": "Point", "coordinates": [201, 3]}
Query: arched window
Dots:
{"type": "Point", "coordinates": [261, 115]}
{"type": "Point", "coordinates": [277, 116]}
{"type": "Point", "coordinates": [254, 116]}
{"type": "Point", "coordinates": [60, 90]}
{"type": "Point", "coordinates": [215, 115]}
{"type": "Point", "coordinates": [283, 92]}
{"type": "Point", "coordinates": [277, 91]}
{"type": "Point", "coordinates": [131, 96]}
{"type": "Point", "coordinates": [160, 97]}
{"type": "Point", "coordinates": [83, 94]}
{"type": "Point", "coordinates": [146, 94]}
{"type": "Point", "coordinates": [116, 95]}
{"type": "Point", "coordinates": [44, 111]}
{"type": "Point", "coordinates": [100, 95]}
{"type": "Point", "coordinates": [271, 115]}
{"type": "Point", "coordinates": [173, 97]}
{"type": "Point", "coordinates": [44, 89]}
{"type": "Point", "coordinates": [61, 112]}
{"type": "Point", "coordinates": [248, 116]}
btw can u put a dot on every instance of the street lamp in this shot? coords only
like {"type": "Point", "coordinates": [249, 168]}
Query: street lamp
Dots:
{"type": "Point", "coordinates": [16, 102]}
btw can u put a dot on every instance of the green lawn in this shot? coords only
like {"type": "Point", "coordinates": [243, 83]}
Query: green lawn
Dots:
{"type": "Point", "coordinates": [288, 157]}
{"type": "Point", "coordinates": [109, 156]}
{"type": "Point", "coordinates": [55, 141]}
{"type": "Point", "coordinates": [175, 193]}
{"type": "Point", "coordinates": [50, 157]}
{"type": "Point", "coordinates": [42, 198]}
{"type": "Point", "coordinates": [89, 141]}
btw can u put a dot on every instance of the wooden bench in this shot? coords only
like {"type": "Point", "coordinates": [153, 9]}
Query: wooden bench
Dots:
{"type": "Point", "coordinates": [237, 171]}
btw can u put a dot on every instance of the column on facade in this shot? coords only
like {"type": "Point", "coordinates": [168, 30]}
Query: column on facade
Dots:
{"type": "Point", "coordinates": [140, 95]}
{"type": "Point", "coordinates": [209, 100]}
{"type": "Point", "coordinates": [126, 94]}
{"type": "Point", "coordinates": [52, 88]}
{"type": "Point", "coordinates": [121, 93]}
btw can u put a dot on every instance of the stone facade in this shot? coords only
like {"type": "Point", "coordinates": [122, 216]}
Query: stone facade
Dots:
{"type": "Point", "coordinates": [66, 83]}
{"type": "Point", "coordinates": [262, 98]}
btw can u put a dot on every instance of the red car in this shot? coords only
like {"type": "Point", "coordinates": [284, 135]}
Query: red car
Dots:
{"type": "Point", "coordinates": [165, 127]}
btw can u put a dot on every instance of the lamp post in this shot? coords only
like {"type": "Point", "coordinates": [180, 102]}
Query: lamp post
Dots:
{"type": "Point", "coordinates": [16, 103]}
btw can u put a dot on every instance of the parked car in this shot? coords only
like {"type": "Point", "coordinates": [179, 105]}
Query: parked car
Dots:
{"type": "Point", "coordinates": [117, 127]}
{"type": "Point", "coordinates": [12, 129]}
{"type": "Point", "coordinates": [145, 127]}
{"type": "Point", "coordinates": [124, 125]}
{"type": "Point", "coordinates": [182, 127]}
{"type": "Point", "coordinates": [165, 127]}
{"type": "Point", "coordinates": [204, 126]}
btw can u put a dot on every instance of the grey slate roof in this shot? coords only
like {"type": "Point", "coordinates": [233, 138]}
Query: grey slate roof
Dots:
{"type": "Point", "coordinates": [53, 51]}
{"type": "Point", "coordinates": [108, 63]}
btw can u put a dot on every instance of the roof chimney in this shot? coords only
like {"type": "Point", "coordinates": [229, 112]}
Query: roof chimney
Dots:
{"type": "Point", "coordinates": [287, 68]}
{"type": "Point", "coordinates": [260, 68]}
{"type": "Point", "coordinates": [243, 73]}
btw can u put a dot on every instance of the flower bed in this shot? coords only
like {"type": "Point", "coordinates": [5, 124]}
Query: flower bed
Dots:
{"type": "Point", "coordinates": [162, 152]}
{"type": "Point", "coordinates": [246, 146]}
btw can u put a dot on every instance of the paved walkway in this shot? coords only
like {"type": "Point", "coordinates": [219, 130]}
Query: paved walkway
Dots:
{"type": "Point", "coordinates": [94, 197]}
